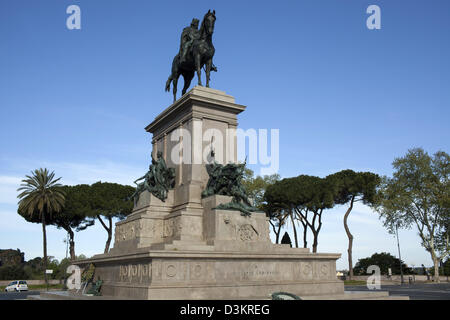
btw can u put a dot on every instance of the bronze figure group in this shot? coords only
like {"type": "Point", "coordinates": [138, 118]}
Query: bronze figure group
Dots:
{"type": "Point", "coordinates": [158, 180]}
{"type": "Point", "coordinates": [196, 51]}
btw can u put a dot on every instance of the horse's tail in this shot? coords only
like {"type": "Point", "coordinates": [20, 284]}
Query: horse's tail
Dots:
{"type": "Point", "coordinates": [168, 83]}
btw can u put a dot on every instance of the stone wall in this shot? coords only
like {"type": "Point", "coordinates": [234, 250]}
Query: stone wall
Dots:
{"type": "Point", "coordinates": [31, 282]}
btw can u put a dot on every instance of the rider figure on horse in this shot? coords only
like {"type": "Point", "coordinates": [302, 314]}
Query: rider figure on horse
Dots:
{"type": "Point", "coordinates": [188, 36]}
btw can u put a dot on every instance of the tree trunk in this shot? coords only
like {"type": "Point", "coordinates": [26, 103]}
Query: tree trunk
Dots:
{"type": "Point", "coordinates": [293, 226]}
{"type": "Point", "coordinates": [436, 266]}
{"type": "Point", "coordinates": [109, 230]}
{"type": "Point", "coordinates": [274, 231]}
{"type": "Point", "coordinates": [71, 244]}
{"type": "Point", "coordinates": [435, 259]}
{"type": "Point", "coordinates": [436, 271]}
{"type": "Point", "coordinates": [305, 230]}
{"type": "Point", "coordinates": [278, 233]}
{"type": "Point", "coordinates": [305, 233]}
{"type": "Point", "coordinates": [315, 242]}
{"type": "Point", "coordinates": [44, 233]}
{"type": "Point", "coordinates": [350, 239]}
{"type": "Point", "coordinates": [316, 237]}
{"type": "Point", "coordinates": [108, 242]}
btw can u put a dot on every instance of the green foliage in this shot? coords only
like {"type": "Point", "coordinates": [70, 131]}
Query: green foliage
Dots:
{"type": "Point", "coordinates": [34, 269]}
{"type": "Point", "coordinates": [303, 198]}
{"type": "Point", "coordinates": [443, 238]}
{"type": "Point", "coordinates": [303, 192]}
{"type": "Point", "coordinates": [256, 186]}
{"type": "Point", "coordinates": [348, 185]}
{"type": "Point", "coordinates": [418, 195]}
{"type": "Point", "coordinates": [384, 261]}
{"type": "Point", "coordinates": [59, 270]}
{"type": "Point", "coordinates": [76, 208]}
{"type": "Point", "coordinates": [110, 200]}
{"type": "Point", "coordinates": [88, 274]}
{"type": "Point", "coordinates": [41, 194]}
{"type": "Point", "coordinates": [12, 272]}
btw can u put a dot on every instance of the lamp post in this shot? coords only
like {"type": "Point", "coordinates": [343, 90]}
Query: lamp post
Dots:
{"type": "Point", "coordinates": [399, 255]}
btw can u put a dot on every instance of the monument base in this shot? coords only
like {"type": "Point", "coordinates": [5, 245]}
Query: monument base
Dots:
{"type": "Point", "coordinates": [185, 247]}
{"type": "Point", "coordinates": [235, 260]}
{"type": "Point", "coordinates": [192, 275]}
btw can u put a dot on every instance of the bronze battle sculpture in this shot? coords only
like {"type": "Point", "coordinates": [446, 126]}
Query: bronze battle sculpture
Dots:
{"type": "Point", "coordinates": [227, 180]}
{"type": "Point", "coordinates": [158, 180]}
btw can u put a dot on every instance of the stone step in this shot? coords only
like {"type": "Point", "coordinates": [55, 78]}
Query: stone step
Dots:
{"type": "Point", "coordinates": [36, 297]}
{"type": "Point", "coordinates": [391, 298]}
{"type": "Point", "coordinates": [184, 246]}
{"type": "Point", "coordinates": [66, 295]}
{"type": "Point", "coordinates": [351, 295]}
{"type": "Point", "coordinates": [189, 247]}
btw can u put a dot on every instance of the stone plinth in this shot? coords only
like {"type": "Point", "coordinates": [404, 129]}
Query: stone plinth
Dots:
{"type": "Point", "coordinates": [172, 274]}
{"type": "Point", "coordinates": [186, 248]}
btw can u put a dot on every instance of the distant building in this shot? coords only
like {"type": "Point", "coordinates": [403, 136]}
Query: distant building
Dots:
{"type": "Point", "coordinates": [10, 257]}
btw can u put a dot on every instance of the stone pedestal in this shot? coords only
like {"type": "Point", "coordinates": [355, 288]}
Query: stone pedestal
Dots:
{"type": "Point", "coordinates": [186, 248]}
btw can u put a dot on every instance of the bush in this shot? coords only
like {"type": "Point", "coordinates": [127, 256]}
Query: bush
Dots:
{"type": "Point", "coordinates": [286, 239]}
{"type": "Point", "coordinates": [384, 261]}
{"type": "Point", "coordinates": [12, 273]}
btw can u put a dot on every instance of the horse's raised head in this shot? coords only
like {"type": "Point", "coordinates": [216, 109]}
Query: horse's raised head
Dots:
{"type": "Point", "coordinates": [208, 22]}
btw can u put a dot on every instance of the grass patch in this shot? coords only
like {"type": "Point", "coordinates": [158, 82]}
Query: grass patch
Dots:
{"type": "Point", "coordinates": [43, 286]}
{"type": "Point", "coordinates": [354, 283]}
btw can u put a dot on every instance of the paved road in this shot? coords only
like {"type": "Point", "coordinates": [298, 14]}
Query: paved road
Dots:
{"type": "Point", "coordinates": [426, 291]}
{"type": "Point", "coordinates": [415, 292]}
{"type": "Point", "coordinates": [17, 295]}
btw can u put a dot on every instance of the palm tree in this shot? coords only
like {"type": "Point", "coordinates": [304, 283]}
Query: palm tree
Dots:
{"type": "Point", "coordinates": [41, 196]}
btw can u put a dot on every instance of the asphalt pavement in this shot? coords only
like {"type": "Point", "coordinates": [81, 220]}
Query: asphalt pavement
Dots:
{"type": "Point", "coordinates": [17, 295]}
{"type": "Point", "coordinates": [422, 291]}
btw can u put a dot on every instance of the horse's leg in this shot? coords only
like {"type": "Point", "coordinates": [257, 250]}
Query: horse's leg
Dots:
{"type": "Point", "coordinates": [173, 73]}
{"type": "Point", "coordinates": [198, 67]}
{"type": "Point", "coordinates": [187, 81]}
{"type": "Point", "coordinates": [175, 82]}
{"type": "Point", "coordinates": [168, 83]}
{"type": "Point", "coordinates": [208, 71]}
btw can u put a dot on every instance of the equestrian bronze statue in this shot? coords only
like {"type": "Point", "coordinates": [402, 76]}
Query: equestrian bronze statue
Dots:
{"type": "Point", "coordinates": [196, 52]}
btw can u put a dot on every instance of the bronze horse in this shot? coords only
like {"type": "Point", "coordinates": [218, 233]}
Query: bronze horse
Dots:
{"type": "Point", "coordinates": [200, 54]}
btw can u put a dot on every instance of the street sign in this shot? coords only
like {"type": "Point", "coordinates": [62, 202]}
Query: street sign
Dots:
{"type": "Point", "coordinates": [48, 271]}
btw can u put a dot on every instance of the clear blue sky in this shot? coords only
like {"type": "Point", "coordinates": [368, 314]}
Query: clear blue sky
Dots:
{"type": "Point", "coordinates": [343, 96]}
